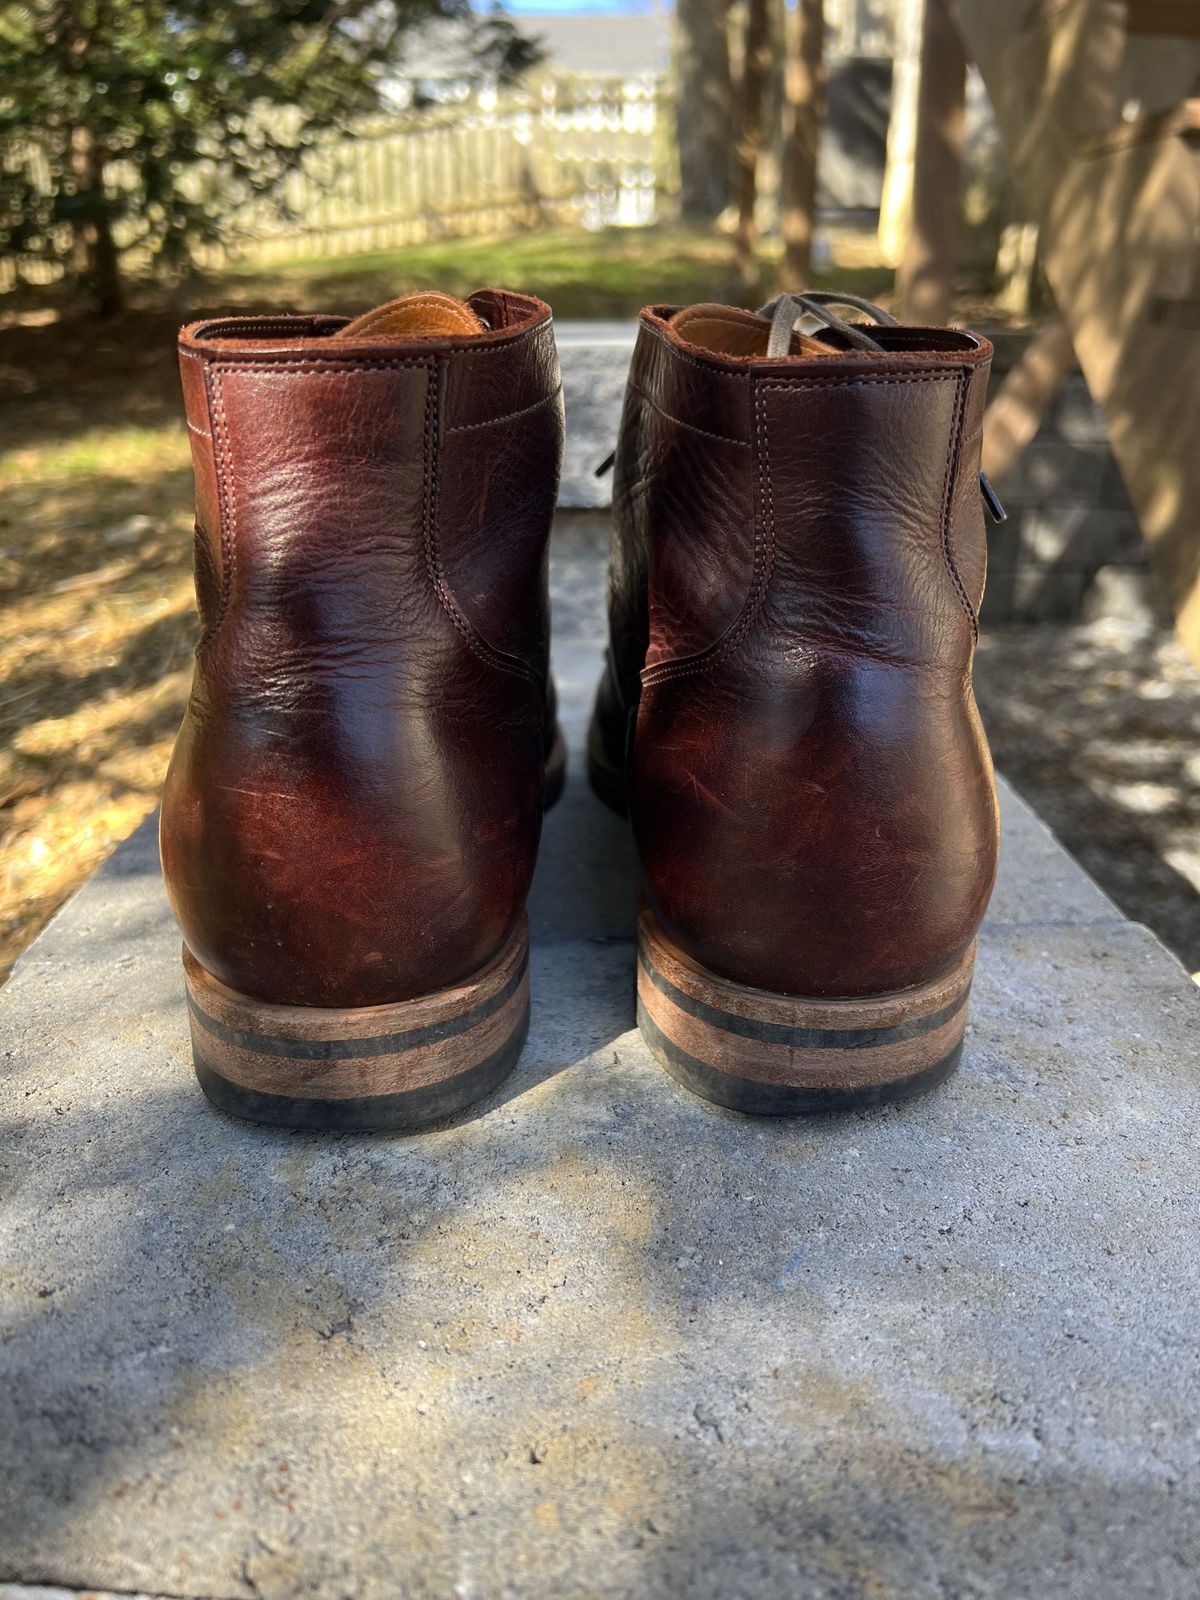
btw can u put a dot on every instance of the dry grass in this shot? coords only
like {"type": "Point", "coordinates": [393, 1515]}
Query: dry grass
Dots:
{"type": "Point", "coordinates": [96, 629]}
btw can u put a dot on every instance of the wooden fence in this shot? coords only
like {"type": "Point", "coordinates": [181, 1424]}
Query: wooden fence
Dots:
{"type": "Point", "coordinates": [592, 152]}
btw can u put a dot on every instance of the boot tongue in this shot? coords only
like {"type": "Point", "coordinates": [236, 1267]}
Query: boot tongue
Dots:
{"type": "Point", "coordinates": [425, 315]}
{"type": "Point", "coordinates": [733, 332]}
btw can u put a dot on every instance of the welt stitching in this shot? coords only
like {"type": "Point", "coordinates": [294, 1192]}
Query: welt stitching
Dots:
{"type": "Point", "coordinates": [509, 416]}
{"type": "Point", "coordinates": [764, 561]}
{"type": "Point", "coordinates": [721, 438]}
{"type": "Point", "coordinates": [433, 561]}
{"type": "Point", "coordinates": [952, 461]}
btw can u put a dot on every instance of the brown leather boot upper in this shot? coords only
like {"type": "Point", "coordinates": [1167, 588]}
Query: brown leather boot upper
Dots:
{"type": "Point", "coordinates": [353, 808]}
{"type": "Point", "coordinates": [798, 563]}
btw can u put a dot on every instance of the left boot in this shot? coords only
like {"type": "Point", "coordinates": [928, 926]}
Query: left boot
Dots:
{"type": "Point", "coordinates": [787, 713]}
{"type": "Point", "coordinates": [351, 815]}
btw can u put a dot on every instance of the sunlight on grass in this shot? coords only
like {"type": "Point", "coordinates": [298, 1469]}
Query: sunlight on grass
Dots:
{"type": "Point", "coordinates": [130, 452]}
{"type": "Point", "coordinates": [611, 273]}
{"type": "Point", "coordinates": [95, 634]}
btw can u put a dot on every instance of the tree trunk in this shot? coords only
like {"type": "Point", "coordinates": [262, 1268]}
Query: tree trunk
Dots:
{"type": "Point", "coordinates": [107, 285]}
{"type": "Point", "coordinates": [77, 158]}
{"type": "Point", "coordinates": [704, 108]}
{"type": "Point", "coordinates": [804, 96]}
{"type": "Point", "coordinates": [926, 275]}
{"type": "Point", "coordinates": [895, 203]}
{"type": "Point", "coordinates": [94, 254]}
{"type": "Point", "coordinates": [756, 63]}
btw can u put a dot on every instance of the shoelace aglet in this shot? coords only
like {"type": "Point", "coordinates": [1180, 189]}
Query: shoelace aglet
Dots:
{"type": "Point", "coordinates": [992, 500]}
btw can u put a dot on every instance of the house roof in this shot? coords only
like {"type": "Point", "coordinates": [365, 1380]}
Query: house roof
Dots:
{"type": "Point", "coordinates": [621, 45]}
{"type": "Point", "coordinates": [617, 45]}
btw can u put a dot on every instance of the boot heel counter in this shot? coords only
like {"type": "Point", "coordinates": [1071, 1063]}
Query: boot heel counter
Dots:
{"type": "Point", "coordinates": [836, 834]}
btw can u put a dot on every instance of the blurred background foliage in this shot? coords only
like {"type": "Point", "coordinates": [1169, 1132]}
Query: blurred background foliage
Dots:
{"type": "Point", "coordinates": [133, 130]}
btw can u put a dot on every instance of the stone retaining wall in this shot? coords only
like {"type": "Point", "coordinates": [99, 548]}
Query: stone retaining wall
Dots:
{"type": "Point", "coordinates": [1071, 547]}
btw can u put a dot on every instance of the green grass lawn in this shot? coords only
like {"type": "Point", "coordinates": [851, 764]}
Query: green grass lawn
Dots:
{"type": "Point", "coordinates": [611, 273]}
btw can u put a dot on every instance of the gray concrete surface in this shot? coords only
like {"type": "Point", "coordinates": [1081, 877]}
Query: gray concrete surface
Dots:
{"type": "Point", "coordinates": [597, 1338]}
{"type": "Point", "coordinates": [594, 357]}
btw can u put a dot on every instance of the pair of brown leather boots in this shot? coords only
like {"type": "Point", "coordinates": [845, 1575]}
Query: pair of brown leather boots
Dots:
{"type": "Point", "coordinates": [353, 808]}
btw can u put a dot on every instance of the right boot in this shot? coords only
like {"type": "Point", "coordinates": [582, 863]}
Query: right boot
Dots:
{"type": "Point", "coordinates": [353, 806]}
{"type": "Point", "coordinates": [787, 715]}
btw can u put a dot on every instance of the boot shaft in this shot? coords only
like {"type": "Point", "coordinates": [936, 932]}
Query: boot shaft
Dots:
{"type": "Point", "coordinates": [830, 500]}
{"type": "Point", "coordinates": [347, 488]}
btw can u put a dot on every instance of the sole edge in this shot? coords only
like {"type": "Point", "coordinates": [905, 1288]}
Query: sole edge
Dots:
{"type": "Point", "coordinates": [768, 1054]}
{"type": "Point", "coordinates": [361, 1069]}
{"type": "Point", "coordinates": [754, 1098]}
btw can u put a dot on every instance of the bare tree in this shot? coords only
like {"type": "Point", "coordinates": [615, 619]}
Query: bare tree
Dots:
{"type": "Point", "coordinates": [704, 107]}
{"type": "Point", "coordinates": [756, 64]}
{"type": "Point", "coordinates": [804, 111]}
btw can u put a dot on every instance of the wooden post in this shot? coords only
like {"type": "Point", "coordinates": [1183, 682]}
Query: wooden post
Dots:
{"type": "Point", "coordinates": [756, 62]}
{"type": "Point", "coordinates": [804, 99]}
{"type": "Point", "coordinates": [1117, 203]}
{"type": "Point", "coordinates": [926, 275]}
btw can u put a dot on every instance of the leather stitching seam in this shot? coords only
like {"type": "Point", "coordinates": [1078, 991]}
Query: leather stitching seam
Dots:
{"type": "Point", "coordinates": [706, 659]}
{"type": "Point", "coordinates": [721, 438]}
{"type": "Point", "coordinates": [301, 366]}
{"type": "Point", "coordinates": [509, 416]}
{"type": "Point", "coordinates": [284, 330]}
{"type": "Point", "coordinates": [266, 327]}
{"type": "Point", "coordinates": [763, 565]}
{"type": "Point", "coordinates": [952, 461]}
{"type": "Point", "coordinates": [478, 646]}
{"type": "Point", "coordinates": [841, 381]}
{"type": "Point", "coordinates": [214, 373]}
{"type": "Point", "coordinates": [227, 512]}
{"type": "Point", "coordinates": [713, 371]}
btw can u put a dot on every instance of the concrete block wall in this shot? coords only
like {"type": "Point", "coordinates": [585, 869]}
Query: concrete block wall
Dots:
{"type": "Point", "coordinates": [1071, 548]}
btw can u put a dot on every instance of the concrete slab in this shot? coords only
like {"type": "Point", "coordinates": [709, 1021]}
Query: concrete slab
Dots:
{"type": "Point", "coordinates": [597, 1338]}
{"type": "Point", "coordinates": [594, 357]}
